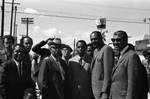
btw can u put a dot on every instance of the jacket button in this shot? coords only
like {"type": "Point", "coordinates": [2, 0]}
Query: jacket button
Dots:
{"type": "Point", "coordinates": [79, 86]}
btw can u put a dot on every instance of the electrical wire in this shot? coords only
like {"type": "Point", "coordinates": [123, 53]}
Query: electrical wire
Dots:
{"type": "Point", "coordinates": [77, 14]}
{"type": "Point", "coordinates": [82, 18]}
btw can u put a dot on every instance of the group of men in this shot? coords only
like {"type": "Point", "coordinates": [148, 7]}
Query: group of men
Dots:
{"type": "Point", "coordinates": [15, 69]}
{"type": "Point", "coordinates": [92, 73]}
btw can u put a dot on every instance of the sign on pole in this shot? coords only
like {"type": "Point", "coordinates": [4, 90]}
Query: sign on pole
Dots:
{"type": "Point", "coordinates": [101, 23]}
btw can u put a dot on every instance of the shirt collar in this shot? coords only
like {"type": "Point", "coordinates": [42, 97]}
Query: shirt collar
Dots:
{"type": "Point", "coordinates": [17, 63]}
{"type": "Point", "coordinates": [81, 57]}
{"type": "Point", "coordinates": [125, 48]}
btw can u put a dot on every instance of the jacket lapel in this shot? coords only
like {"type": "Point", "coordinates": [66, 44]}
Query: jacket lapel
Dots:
{"type": "Point", "coordinates": [97, 53]}
{"type": "Point", "coordinates": [15, 67]}
{"type": "Point", "coordinates": [121, 59]}
{"type": "Point", "coordinates": [119, 62]}
{"type": "Point", "coordinates": [54, 64]}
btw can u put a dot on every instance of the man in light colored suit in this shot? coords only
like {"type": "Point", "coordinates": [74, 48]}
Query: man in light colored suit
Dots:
{"type": "Point", "coordinates": [79, 73]}
{"type": "Point", "coordinates": [127, 75]}
{"type": "Point", "coordinates": [101, 66]}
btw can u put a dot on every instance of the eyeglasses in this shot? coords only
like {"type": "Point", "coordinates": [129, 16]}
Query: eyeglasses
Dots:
{"type": "Point", "coordinates": [117, 40]}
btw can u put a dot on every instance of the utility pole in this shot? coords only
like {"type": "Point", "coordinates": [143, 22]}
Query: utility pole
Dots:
{"type": "Point", "coordinates": [2, 21]}
{"type": "Point", "coordinates": [27, 21]}
{"type": "Point", "coordinates": [12, 10]}
{"type": "Point", "coordinates": [15, 33]}
{"type": "Point", "coordinates": [74, 47]}
{"type": "Point", "coordinates": [149, 28]}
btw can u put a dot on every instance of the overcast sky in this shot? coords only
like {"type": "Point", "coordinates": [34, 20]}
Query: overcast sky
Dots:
{"type": "Point", "coordinates": [75, 19]}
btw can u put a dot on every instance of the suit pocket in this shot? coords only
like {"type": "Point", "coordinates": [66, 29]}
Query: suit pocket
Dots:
{"type": "Point", "coordinates": [98, 59]}
{"type": "Point", "coordinates": [123, 93]}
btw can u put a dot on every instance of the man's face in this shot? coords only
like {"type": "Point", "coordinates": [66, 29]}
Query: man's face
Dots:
{"type": "Point", "coordinates": [118, 42]}
{"type": "Point", "coordinates": [55, 51]}
{"type": "Point", "coordinates": [89, 50]}
{"type": "Point", "coordinates": [28, 44]}
{"type": "Point", "coordinates": [66, 52]}
{"type": "Point", "coordinates": [81, 48]}
{"type": "Point", "coordinates": [18, 53]}
{"type": "Point", "coordinates": [95, 40]}
{"type": "Point", "coordinates": [8, 43]}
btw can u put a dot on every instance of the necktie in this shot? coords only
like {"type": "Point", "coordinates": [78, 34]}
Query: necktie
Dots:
{"type": "Point", "coordinates": [19, 69]}
{"type": "Point", "coordinates": [61, 69]}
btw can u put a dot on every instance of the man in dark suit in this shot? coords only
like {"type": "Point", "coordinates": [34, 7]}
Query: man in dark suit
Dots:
{"type": "Point", "coordinates": [43, 52]}
{"type": "Point", "coordinates": [101, 66]}
{"type": "Point", "coordinates": [52, 78]}
{"type": "Point", "coordinates": [79, 73]}
{"type": "Point", "coordinates": [126, 77]}
{"type": "Point", "coordinates": [27, 42]}
{"type": "Point", "coordinates": [15, 75]}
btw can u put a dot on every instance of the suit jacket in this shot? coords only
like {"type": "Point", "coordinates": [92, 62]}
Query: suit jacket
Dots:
{"type": "Point", "coordinates": [79, 78]}
{"type": "Point", "coordinates": [12, 86]}
{"type": "Point", "coordinates": [101, 69]}
{"type": "Point", "coordinates": [126, 77]}
{"type": "Point", "coordinates": [50, 81]}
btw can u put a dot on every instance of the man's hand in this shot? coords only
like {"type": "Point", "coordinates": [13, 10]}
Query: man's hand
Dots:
{"type": "Point", "coordinates": [50, 39]}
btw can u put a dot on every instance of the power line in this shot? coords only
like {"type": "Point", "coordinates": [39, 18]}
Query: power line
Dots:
{"type": "Point", "coordinates": [82, 18]}
{"type": "Point", "coordinates": [60, 12]}
{"type": "Point", "coordinates": [112, 6]}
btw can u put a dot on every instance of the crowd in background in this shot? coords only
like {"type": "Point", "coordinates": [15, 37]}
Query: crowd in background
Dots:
{"type": "Point", "coordinates": [92, 71]}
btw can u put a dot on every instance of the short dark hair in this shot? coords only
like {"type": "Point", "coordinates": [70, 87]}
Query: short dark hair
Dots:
{"type": "Point", "coordinates": [9, 37]}
{"type": "Point", "coordinates": [89, 44]}
{"type": "Point", "coordinates": [122, 34]}
{"type": "Point", "coordinates": [22, 39]}
{"type": "Point", "coordinates": [98, 33]}
{"type": "Point", "coordinates": [82, 41]}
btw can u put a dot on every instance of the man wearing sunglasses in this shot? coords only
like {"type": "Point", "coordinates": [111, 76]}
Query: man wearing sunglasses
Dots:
{"type": "Point", "coordinates": [127, 75]}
